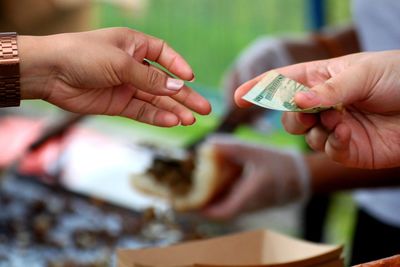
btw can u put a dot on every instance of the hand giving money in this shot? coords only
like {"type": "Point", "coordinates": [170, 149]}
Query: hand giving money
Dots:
{"type": "Point", "coordinates": [367, 133]}
{"type": "Point", "coordinates": [276, 91]}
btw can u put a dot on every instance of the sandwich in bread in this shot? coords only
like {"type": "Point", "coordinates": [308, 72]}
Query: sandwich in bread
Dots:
{"type": "Point", "coordinates": [189, 183]}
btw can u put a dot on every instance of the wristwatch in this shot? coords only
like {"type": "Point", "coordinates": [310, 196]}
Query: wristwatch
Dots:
{"type": "Point", "coordinates": [10, 93]}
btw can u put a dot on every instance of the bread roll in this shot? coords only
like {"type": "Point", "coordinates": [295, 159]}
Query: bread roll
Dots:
{"type": "Point", "coordinates": [209, 177]}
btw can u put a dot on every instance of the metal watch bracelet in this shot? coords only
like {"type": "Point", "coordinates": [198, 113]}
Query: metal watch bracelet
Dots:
{"type": "Point", "coordinates": [10, 93]}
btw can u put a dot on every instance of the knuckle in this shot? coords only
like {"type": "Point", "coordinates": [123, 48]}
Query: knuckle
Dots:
{"type": "Point", "coordinates": [312, 142]}
{"type": "Point", "coordinates": [123, 68]}
{"type": "Point", "coordinates": [337, 155]}
{"type": "Point", "coordinates": [332, 89]}
{"type": "Point", "coordinates": [317, 138]}
{"type": "Point", "coordinates": [291, 124]}
{"type": "Point", "coordinates": [125, 30]}
{"type": "Point", "coordinates": [124, 63]}
{"type": "Point", "coordinates": [164, 44]}
{"type": "Point", "coordinates": [330, 86]}
{"type": "Point", "coordinates": [153, 79]}
{"type": "Point", "coordinates": [141, 112]}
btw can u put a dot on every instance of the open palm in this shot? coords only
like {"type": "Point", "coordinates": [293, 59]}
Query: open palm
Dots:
{"type": "Point", "coordinates": [104, 72]}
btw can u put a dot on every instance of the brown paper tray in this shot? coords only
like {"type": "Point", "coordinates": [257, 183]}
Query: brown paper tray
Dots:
{"type": "Point", "coordinates": [251, 249]}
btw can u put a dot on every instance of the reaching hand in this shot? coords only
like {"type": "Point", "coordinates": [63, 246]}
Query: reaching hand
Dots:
{"type": "Point", "coordinates": [103, 72]}
{"type": "Point", "coordinates": [366, 134]}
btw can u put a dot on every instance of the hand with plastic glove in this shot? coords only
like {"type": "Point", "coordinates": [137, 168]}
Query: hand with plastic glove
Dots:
{"type": "Point", "coordinates": [270, 177]}
{"type": "Point", "coordinates": [366, 134]}
{"type": "Point", "coordinates": [262, 55]}
{"type": "Point", "coordinates": [104, 72]}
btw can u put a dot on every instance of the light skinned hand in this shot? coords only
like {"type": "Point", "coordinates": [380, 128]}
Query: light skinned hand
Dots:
{"type": "Point", "coordinates": [366, 134]}
{"type": "Point", "coordinates": [103, 72]}
{"type": "Point", "coordinates": [270, 177]}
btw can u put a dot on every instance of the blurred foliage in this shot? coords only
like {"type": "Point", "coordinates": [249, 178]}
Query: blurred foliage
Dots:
{"type": "Point", "coordinates": [338, 11]}
{"type": "Point", "coordinates": [211, 33]}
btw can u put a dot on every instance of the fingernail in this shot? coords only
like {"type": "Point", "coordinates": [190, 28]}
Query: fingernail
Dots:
{"type": "Point", "coordinates": [174, 84]}
{"type": "Point", "coordinates": [194, 78]}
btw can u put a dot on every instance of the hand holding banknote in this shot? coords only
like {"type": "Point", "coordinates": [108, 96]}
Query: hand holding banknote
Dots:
{"type": "Point", "coordinates": [365, 133]}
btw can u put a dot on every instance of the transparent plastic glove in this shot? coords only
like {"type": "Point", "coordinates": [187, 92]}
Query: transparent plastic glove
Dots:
{"type": "Point", "coordinates": [263, 54]}
{"type": "Point", "coordinates": [270, 177]}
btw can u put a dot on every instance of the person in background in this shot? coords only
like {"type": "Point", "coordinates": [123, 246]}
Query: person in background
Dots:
{"type": "Point", "coordinates": [277, 177]}
{"type": "Point", "coordinates": [267, 53]}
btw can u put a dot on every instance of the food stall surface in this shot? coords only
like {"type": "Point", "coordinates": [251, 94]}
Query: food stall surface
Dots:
{"type": "Point", "coordinates": [43, 225]}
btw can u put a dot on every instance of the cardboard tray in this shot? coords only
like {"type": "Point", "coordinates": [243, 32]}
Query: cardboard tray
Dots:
{"type": "Point", "coordinates": [254, 248]}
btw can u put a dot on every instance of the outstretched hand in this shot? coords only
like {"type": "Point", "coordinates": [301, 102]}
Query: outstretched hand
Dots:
{"type": "Point", "coordinates": [104, 72]}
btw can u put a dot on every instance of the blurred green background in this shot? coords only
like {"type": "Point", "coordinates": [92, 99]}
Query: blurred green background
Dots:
{"type": "Point", "coordinates": [210, 33]}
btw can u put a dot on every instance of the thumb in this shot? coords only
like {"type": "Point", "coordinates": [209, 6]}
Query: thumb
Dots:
{"type": "Point", "coordinates": [150, 79]}
{"type": "Point", "coordinates": [345, 88]}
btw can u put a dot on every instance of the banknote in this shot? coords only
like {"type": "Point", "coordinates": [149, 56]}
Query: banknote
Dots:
{"type": "Point", "coordinates": [276, 91]}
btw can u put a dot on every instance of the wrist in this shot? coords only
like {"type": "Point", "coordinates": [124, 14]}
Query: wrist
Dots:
{"type": "Point", "coordinates": [10, 94]}
{"type": "Point", "coordinates": [302, 175]}
{"type": "Point", "coordinates": [291, 176]}
{"type": "Point", "coordinates": [35, 66]}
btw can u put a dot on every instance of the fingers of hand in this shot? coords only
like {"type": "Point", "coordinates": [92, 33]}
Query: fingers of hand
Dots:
{"type": "Point", "coordinates": [160, 52]}
{"type": "Point", "coordinates": [243, 89]}
{"type": "Point", "coordinates": [145, 112]}
{"type": "Point", "coordinates": [328, 134]}
{"type": "Point", "coordinates": [184, 114]}
{"type": "Point", "coordinates": [192, 100]}
{"type": "Point", "coordinates": [317, 137]}
{"type": "Point", "coordinates": [346, 87]}
{"type": "Point", "coordinates": [150, 79]}
{"type": "Point", "coordinates": [298, 123]}
{"type": "Point", "coordinates": [140, 46]}
{"type": "Point", "coordinates": [338, 144]}
{"type": "Point", "coordinates": [331, 118]}
{"type": "Point", "coordinates": [155, 82]}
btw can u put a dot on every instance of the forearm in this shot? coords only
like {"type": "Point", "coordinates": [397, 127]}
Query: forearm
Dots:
{"type": "Point", "coordinates": [344, 38]}
{"type": "Point", "coordinates": [328, 176]}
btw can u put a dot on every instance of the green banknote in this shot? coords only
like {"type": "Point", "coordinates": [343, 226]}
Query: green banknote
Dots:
{"type": "Point", "coordinates": [276, 91]}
